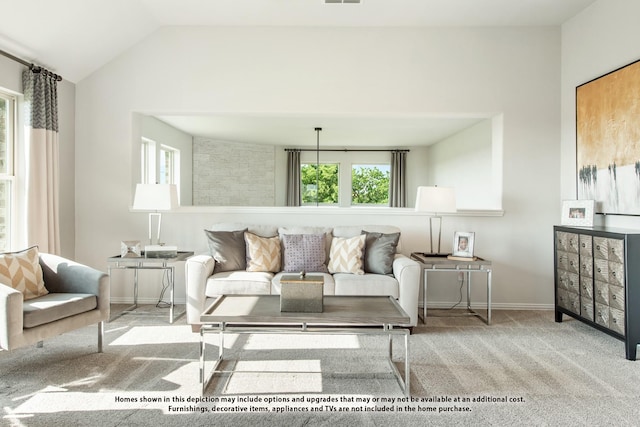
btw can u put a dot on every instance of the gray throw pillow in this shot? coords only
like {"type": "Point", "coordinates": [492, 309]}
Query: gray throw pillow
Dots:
{"type": "Point", "coordinates": [304, 252]}
{"type": "Point", "coordinates": [228, 249]}
{"type": "Point", "coordinates": [379, 252]}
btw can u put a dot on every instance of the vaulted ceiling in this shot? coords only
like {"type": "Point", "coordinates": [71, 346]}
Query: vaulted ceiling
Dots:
{"type": "Point", "coordinates": [76, 37]}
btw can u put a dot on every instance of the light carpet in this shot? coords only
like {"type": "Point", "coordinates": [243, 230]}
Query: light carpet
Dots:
{"type": "Point", "coordinates": [523, 369]}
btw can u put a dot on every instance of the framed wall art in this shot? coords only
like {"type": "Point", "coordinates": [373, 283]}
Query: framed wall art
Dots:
{"type": "Point", "coordinates": [577, 212]}
{"type": "Point", "coordinates": [608, 141]}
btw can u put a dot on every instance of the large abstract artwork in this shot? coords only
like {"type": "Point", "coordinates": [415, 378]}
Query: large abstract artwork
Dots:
{"type": "Point", "coordinates": [608, 141]}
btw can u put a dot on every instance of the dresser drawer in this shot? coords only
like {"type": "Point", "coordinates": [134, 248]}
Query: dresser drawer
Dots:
{"type": "Point", "coordinates": [586, 288]}
{"type": "Point", "coordinates": [585, 245]}
{"type": "Point", "coordinates": [616, 297]}
{"type": "Point", "coordinates": [600, 247]}
{"type": "Point", "coordinates": [586, 308]}
{"type": "Point", "coordinates": [616, 273]}
{"type": "Point", "coordinates": [569, 301]}
{"type": "Point", "coordinates": [601, 269]}
{"type": "Point", "coordinates": [616, 250]}
{"type": "Point", "coordinates": [602, 315]}
{"type": "Point", "coordinates": [616, 320]}
{"type": "Point", "coordinates": [586, 266]}
{"type": "Point", "coordinates": [601, 293]}
{"type": "Point", "coordinates": [569, 281]}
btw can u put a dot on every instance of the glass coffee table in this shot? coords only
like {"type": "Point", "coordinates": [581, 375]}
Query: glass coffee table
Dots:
{"type": "Point", "coordinates": [341, 315]}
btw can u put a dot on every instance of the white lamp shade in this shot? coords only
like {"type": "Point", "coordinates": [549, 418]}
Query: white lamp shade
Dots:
{"type": "Point", "coordinates": [156, 197]}
{"type": "Point", "coordinates": [436, 200]}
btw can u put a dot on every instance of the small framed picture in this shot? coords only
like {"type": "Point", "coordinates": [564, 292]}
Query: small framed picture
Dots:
{"type": "Point", "coordinates": [577, 212]}
{"type": "Point", "coordinates": [463, 244]}
{"type": "Point", "coordinates": [130, 249]}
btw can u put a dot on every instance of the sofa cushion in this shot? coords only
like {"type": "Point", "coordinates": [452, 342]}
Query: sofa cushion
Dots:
{"type": "Point", "coordinates": [239, 282]}
{"type": "Point", "coordinates": [304, 252]}
{"type": "Point", "coordinates": [366, 284]}
{"type": "Point", "coordinates": [22, 271]}
{"type": "Point", "coordinates": [55, 306]}
{"type": "Point", "coordinates": [263, 253]}
{"type": "Point", "coordinates": [228, 249]}
{"type": "Point", "coordinates": [346, 255]}
{"type": "Point", "coordinates": [379, 252]}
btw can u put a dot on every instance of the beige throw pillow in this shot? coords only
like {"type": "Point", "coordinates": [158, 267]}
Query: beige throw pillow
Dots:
{"type": "Point", "coordinates": [22, 271]}
{"type": "Point", "coordinates": [263, 253]}
{"type": "Point", "coordinates": [346, 255]}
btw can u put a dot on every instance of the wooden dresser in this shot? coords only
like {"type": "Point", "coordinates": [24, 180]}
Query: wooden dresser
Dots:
{"type": "Point", "coordinates": [597, 280]}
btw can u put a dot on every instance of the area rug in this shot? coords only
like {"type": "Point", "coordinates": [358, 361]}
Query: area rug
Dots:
{"type": "Point", "coordinates": [524, 368]}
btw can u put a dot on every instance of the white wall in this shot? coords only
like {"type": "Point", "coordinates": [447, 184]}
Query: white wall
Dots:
{"type": "Point", "coordinates": [163, 134]}
{"type": "Point", "coordinates": [465, 71]}
{"type": "Point", "coordinates": [463, 161]}
{"type": "Point", "coordinates": [601, 39]}
{"type": "Point", "coordinates": [11, 79]}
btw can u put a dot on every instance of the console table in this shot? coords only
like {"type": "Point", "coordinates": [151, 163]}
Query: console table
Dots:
{"type": "Point", "coordinates": [137, 263]}
{"type": "Point", "coordinates": [442, 263]}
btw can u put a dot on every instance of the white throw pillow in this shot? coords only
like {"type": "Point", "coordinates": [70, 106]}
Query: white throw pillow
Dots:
{"type": "Point", "coordinates": [263, 253]}
{"type": "Point", "coordinates": [346, 255]}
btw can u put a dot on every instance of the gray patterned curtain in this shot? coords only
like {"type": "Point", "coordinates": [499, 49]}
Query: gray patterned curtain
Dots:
{"type": "Point", "coordinates": [42, 175]}
{"type": "Point", "coordinates": [294, 197]}
{"type": "Point", "coordinates": [398, 181]}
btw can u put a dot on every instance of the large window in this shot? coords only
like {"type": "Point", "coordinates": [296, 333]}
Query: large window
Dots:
{"type": "Point", "coordinates": [327, 189]}
{"type": "Point", "coordinates": [7, 179]}
{"type": "Point", "coordinates": [370, 184]}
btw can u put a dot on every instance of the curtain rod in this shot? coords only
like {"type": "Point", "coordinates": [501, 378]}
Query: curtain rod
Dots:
{"type": "Point", "coordinates": [343, 149]}
{"type": "Point", "coordinates": [34, 68]}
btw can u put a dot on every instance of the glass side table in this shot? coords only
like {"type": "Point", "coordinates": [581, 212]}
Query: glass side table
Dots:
{"type": "Point", "coordinates": [137, 263]}
{"type": "Point", "coordinates": [478, 265]}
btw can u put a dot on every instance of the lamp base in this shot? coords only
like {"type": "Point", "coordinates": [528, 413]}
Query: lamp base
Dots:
{"type": "Point", "coordinates": [434, 255]}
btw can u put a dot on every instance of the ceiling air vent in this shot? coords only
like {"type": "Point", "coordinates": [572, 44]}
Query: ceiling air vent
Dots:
{"type": "Point", "coordinates": [341, 1]}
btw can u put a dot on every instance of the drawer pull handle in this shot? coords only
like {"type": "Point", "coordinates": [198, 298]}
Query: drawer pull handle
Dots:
{"type": "Point", "coordinates": [614, 320]}
{"type": "Point", "coordinates": [613, 274]}
{"type": "Point", "coordinates": [613, 296]}
{"type": "Point", "coordinates": [598, 247]}
{"type": "Point", "coordinates": [599, 270]}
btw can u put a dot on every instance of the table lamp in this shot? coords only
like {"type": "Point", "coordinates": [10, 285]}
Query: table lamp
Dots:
{"type": "Point", "coordinates": [435, 200]}
{"type": "Point", "coordinates": [155, 198]}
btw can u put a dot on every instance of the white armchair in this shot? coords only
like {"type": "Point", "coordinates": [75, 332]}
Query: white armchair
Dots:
{"type": "Point", "coordinates": [78, 296]}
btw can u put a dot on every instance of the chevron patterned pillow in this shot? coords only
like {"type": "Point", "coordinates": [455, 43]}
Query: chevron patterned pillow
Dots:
{"type": "Point", "coordinates": [346, 255]}
{"type": "Point", "coordinates": [22, 271]}
{"type": "Point", "coordinates": [263, 253]}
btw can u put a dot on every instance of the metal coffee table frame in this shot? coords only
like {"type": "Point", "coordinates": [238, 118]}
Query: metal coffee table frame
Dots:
{"type": "Point", "coordinates": [305, 323]}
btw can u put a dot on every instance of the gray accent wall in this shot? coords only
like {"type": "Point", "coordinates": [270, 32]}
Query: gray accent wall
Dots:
{"type": "Point", "coordinates": [229, 173]}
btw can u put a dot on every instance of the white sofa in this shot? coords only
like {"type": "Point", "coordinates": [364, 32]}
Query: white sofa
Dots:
{"type": "Point", "coordinates": [203, 285]}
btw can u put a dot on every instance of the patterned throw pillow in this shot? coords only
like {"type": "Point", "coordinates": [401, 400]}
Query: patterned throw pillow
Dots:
{"type": "Point", "coordinates": [304, 252]}
{"type": "Point", "coordinates": [22, 271]}
{"type": "Point", "coordinates": [263, 253]}
{"type": "Point", "coordinates": [346, 255]}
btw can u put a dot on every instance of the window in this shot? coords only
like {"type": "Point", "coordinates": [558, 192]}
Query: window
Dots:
{"type": "Point", "coordinates": [159, 166]}
{"type": "Point", "coordinates": [327, 179]}
{"type": "Point", "coordinates": [370, 184]}
{"type": "Point", "coordinates": [169, 165]}
{"type": "Point", "coordinates": [7, 178]}
{"type": "Point", "coordinates": [148, 161]}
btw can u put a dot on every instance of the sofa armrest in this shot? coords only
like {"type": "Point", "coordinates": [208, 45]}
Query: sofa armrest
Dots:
{"type": "Point", "coordinates": [10, 314]}
{"type": "Point", "coordinates": [407, 272]}
{"type": "Point", "coordinates": [198, 268]}
{"type": "Point", "coordinates": [62, 275]}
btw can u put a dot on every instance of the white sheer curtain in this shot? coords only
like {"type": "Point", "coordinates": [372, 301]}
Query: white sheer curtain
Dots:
{"type": "Point", "coordinates": [41, 149]}
{"type": "Point", "coordinates": [294, 197]}
{"type": "Point", "coordinates": [398, 181]}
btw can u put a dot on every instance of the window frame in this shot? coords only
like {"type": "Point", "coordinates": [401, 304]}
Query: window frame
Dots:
{"type": "Point", "coordinates": [8, 174]}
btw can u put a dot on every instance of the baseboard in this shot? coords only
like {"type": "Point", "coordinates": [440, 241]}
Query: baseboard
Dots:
{"type": "Point", "coordinates": [145, 301]}
{"type": "Point", "coordinates": [494, 306]}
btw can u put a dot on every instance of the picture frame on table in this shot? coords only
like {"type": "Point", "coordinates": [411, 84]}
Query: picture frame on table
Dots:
{"type": "Point", "coordinates": [578, 212]}
{"type": "Point", "coordinates": [463, 242]}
